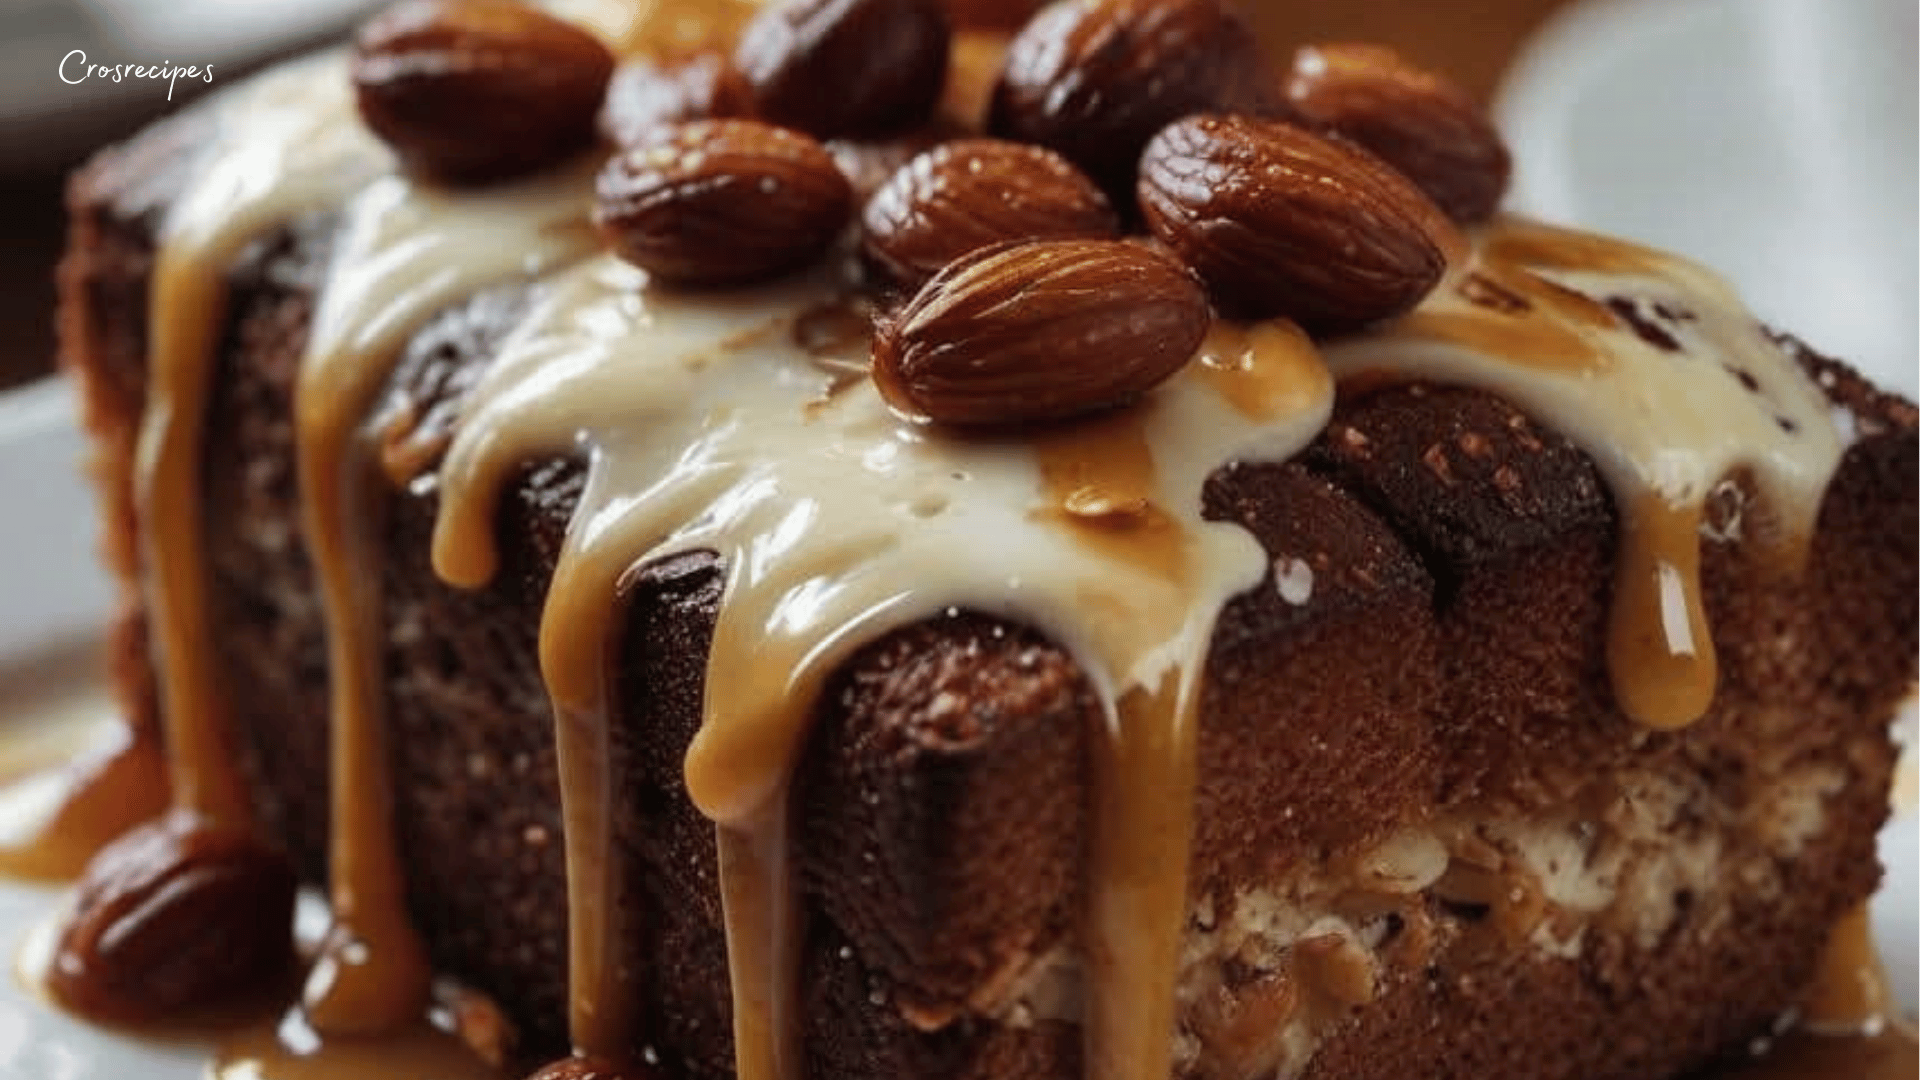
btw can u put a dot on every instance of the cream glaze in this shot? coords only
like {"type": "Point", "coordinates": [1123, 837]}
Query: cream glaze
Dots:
{"type": "Point", "coordinates": [705, 426]}
{"type": "Point", "coordinates": [406, 252]}
{"type": "Point", "coordinates": [1665, 412]}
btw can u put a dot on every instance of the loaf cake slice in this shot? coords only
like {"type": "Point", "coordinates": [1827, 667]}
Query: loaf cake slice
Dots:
{"type": "Point", "coordinates": [1426, 838]}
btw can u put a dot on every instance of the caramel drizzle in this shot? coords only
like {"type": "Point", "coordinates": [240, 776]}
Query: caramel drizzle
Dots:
{"type": "Point", "coordinates": [52, 823]}
{"type": "Point", "coordinates": [407, 253]}
{"type": "Point", "coordinates": [1850, 994]}
{"type": "Point", "coordinates": [251, 182]}
{"type": "Point", "coordinates": [1663, 418]}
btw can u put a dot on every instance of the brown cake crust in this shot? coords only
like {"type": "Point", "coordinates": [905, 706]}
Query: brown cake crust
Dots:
{"type": "Point", "coordinates": [1451, 659]}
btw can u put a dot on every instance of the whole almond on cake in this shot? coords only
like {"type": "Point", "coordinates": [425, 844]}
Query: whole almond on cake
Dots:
{"type": "Point", "coordinates": [970, 193]}
{"type": "Point", "coordinates": [1095, 80]}
{"type": "Point", "coordinates": [1415, 120]}
{"type": "Point", "coordinates": [1279, 221]}
{"type": "Point", "coordinates": [471, 91]}
{"type": "Point", "coordinates": [721, 201]}
{"type": "Point", "coordinates": [1029, 332]}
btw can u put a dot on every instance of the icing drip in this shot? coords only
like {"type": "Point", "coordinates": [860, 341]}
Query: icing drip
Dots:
{"type": "Point", "coordinates": [288, 144]}
{"type": "Point", "coordinates": [1652, 367]}
{"type": "Point", "coordinates": [707, 427]}
{"type": "Point", "coordinates": [407, 252]}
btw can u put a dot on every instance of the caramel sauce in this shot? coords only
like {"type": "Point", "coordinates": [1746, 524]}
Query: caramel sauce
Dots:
{"type": "Point", "coordinates": [1535, 245]}
{"type": "Point", "coordinates": [262, 1033]}
{"type": "Point", "coordinates": [407, 251]}
{"type": "Point", "coordinates": [1892, 1054]}
{"type": "Point", "coordinates": [575, 631]}
{"type": "Point", "coordinates": [1849, 995]}
{"type": "Point", "coordinates": [288, 1048]}
{"type": "Point", "coordinates": [372, 974]}
{"type": "Point", "coordinates": [188, 305]}
{"type": "Point", "coordinates": [1267, 370]}
{"type": "Point", "coordinates": [1659, 647]}
{"type": "Point", "coordinates": [761, 907]}
{"type": "Point", "coordinates": [1143, 784]}
{"type": "Point", "coordinates": [668, 29]}
{"type": "Point", "coordinates": [74, 774]}
{"type": "Point", "coordinates": [52, 822]}
{"type": "Point", "coordinates": [1501, 322]}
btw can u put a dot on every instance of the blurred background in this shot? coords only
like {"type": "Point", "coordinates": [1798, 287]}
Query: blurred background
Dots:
{"type": "Point", "coordinates": [1774, 139]}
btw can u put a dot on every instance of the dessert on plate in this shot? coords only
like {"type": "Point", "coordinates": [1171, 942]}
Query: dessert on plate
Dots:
{"type": "Point", "coordinates": [810, 542]}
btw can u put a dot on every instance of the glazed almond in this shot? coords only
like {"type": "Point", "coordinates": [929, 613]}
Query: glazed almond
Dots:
{"type": "Point", "coordinates": [845, 67]}
{"type": "Point", "coordinates": [1281, 222]}
{"type": "Point", "coordinates": [719, 202]}
{"type": "Point", "coordinates": [645, 95]}
{"type": "Point", "coordinates": [1415, 120]}
{"type": "Point", "coordinates": [1033, 332]}
{"type": "Point", "coordinates": [179, 913]}
{"type": "Point", "coordinates": [1095, 80]}
{"type": "Point", "coordinates": [971, 193]}
{"type": "Point", "coordinates": [471, 91]}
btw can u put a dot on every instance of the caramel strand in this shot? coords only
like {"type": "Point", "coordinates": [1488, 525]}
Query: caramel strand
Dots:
{"type": "Point", "coordinates": [1577, 330]}
{"type": "Point", "coordinates": [188, 310]}
{"type": "Point", "coordinates": [1850, 994]}
{"type": "Point", "coordinates": [249, 182]}
{"type": "Point", "coordinates": [408, 252]}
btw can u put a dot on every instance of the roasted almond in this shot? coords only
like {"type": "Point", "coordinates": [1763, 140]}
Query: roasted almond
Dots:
{"type": "Point", "coordinates": [1414, 120]}
{"type": "Point", "coordinates": [178, 913]}
{"type": "Point", "coordinates": [967, 194]}
{"type": "Point", "coordinates": [1032, 332]}
{"type": "Point", "coordinates": [1280, 221]}
{"type": "Point", "coordinates": [1094, 79]}
{"type": "Point", "coordinates": [845, 67]}
{"type": "Point", "coordinates": [645, 95]}
{"type": "Point", "coordinates": [469, 91]}
{"type": "Point", "coordinates": [721, 201]}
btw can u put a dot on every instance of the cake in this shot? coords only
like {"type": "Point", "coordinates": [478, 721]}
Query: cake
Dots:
{"type": "Point", "coordinates": [796, 594]}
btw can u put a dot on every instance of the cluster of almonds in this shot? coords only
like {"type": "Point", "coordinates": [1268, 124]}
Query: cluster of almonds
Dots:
{"type": "Point", "coordinates": [1322, 194]}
